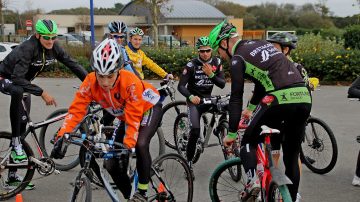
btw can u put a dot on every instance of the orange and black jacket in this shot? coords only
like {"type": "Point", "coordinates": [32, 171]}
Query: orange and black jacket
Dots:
{"type": "Point", "coordinates": [127, 100]}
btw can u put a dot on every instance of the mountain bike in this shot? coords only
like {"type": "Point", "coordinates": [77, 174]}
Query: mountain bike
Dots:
{"type": "Point", "coordinates": [43, 164]}
{"type": "Point", "coordinates": [273, 181]}
{"type": "Point", "coordinates": [167, 182]}
{"type": "Point", "coordinates": [217, 126]}
{"type": "Point", "coordinates": [319, 148]}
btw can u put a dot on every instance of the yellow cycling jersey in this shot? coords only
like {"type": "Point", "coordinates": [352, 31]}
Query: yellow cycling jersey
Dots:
{"type": "Point", "coordinates": [139, 59]}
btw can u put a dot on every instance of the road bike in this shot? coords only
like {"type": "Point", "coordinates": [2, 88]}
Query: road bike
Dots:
{"type": "Point", "coordinates": [167, 181]}
{"type": "Point", "coordinates": [273, 181]}
{"type": "Point", "coordinates": [218, 126]}
{"type": "Point", "coordinates": [169, 112]}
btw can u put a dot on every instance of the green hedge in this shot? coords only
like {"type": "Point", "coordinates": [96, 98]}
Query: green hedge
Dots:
{"type": "Point", "coordinates": [326, 59]}
{"type": "Point", "coordinates": [323, 58]}
{"type": "Point", "coordinates": [352, 37]}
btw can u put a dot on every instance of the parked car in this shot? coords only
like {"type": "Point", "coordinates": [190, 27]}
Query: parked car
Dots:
{"type": "Point", "coordinates": [147, 41]}
{"type": "Point", "coordinates": [165, 40]}
{"type": "Point", "coordinates": [69, 39]}
{"type": "Point", "coordinates": [6, 48]}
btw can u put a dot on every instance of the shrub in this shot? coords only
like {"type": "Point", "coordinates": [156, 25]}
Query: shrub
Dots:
{"type": "Point", "coordinates": [352, 37]}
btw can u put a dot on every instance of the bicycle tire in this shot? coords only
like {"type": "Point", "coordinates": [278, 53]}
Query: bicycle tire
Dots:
{"type": "Point", "coordinates": [166, 123]}
{"type": "Point", "coordinates": [169, 168]}
{"type": "Point", "coordinates": [29, 169]}
{"type": "Point", "coordinates": [223, 129]}
{"type": "Point", "coordinates": [275, 191]}
{"type": "Point", "coordinates": [71, 160]}
{"type": "Point", "coordinates": [82, 183]}
{"type": "Point", "coordinates": [221, 180]}
{"type": "Point", "coordinates": [317, 146]}
{"type": "Point", "coordinates": [181, 139]}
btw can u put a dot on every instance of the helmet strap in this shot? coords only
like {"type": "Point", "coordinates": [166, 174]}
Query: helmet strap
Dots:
{"type": "Point", "coordinates": [226, 49]}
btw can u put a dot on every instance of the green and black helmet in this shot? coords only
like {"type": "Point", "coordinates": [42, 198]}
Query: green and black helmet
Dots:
{"type": "Point", "coordinates": [136, 31]}
{"type": "Point", "coordinates": [46, 27]}
{"type": "Point", "coordinates": [202, 41]}
{"type": "Point", "coordinates": [285, 39]}
{"type": "Point", "coordinates": [221, 31]}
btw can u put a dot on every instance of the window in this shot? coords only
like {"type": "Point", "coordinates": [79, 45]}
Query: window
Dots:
{"type": "Point", "coordinates": [2, 48]}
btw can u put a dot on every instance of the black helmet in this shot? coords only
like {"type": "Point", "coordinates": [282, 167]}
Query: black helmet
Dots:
{"type": "Point", "coordinates": [284, 39]}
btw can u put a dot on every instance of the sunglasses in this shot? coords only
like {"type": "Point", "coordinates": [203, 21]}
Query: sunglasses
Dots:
{"type": "Point", "coordinates": [118, 36]}
{"type": "Point", "coordinates": [47, 38]}
{"type": "Point", "coordinates": [203, 51]}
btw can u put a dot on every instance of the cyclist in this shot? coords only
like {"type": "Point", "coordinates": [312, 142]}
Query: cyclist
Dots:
{"type": "Point", "coordinates": [17, 71]}
{"type": "Point", "coordinates": [196, 82]}
{"type": "Point", "coordinates": [285, 95]}
{"type": "Point", "coordinates": [128, 98]}
{"type": "Point", "coordinates": [138, 57]}
{"type": "Point", "coordinates": [354, 92]}
{"type": "Point", "coordinates": [118, 32]}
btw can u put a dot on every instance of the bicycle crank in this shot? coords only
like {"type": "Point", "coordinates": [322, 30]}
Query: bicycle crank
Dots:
{"type": "Point", "coordinates": [45, 166]}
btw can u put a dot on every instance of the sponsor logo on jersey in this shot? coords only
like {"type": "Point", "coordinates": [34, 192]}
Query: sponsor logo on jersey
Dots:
{"type": "Point", "coordinates": [264, 56]}
{"type": "Point", "coordinates": [150, 96]}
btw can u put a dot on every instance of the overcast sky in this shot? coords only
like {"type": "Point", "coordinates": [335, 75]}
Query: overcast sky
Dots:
{"type": "Point", "coordinates": [338, 7]}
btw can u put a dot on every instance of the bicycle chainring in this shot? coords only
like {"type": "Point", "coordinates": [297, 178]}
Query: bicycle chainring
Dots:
{"type": "Point", "coordinates": [48, 168]}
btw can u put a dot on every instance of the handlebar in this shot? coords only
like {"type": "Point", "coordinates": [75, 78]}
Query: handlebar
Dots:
{"type": "Point", "coordinates": [215, 99]}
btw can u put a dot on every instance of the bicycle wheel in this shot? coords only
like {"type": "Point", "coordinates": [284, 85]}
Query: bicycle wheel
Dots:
{"type": "Point", "coordinates": [278, 193]}
{"type": "Point", "coordinates": [171, 179]}
{"type": "Point", "coordinates": [170, 112]}
{"type": "Point", "coordinates": [319, 149]}
{"type": "Point", "coordinates": [232, 152]}
{"type": "Point", "coordinates": [24, 171]}
{"type": "Point", "coordinates": [46, 141]}
{"type": "Point", "coordinates": [82, 190]}
{"type": "Point", "coordinates": [221, 185]}
{"type": "Point", "coordinates": [181, 133]}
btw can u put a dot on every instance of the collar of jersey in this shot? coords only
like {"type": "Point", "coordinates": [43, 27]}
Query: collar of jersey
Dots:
{"type": "Point", "coordinates": [209, 61]}
{"type": "Point", "coordinates": [132, 47]}
{"type": "Point", "coordinates": [234, 47]}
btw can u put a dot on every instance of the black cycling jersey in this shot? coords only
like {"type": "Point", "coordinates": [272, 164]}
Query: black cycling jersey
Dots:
{"type": "Point", "coordinates": [354, 90]}
{"type": "Point", "coordinates": [198, 83]}
{"type": "Point", "coordinates": [268, 68]}
{"type": "Point", "coordinates": [28, 59]}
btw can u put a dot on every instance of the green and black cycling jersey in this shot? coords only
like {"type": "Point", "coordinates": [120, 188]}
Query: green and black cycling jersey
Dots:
{"type": "Point", "coordinates": [271, 72]}
{"type": "Point", "coordinates": [28, 59]}
{"type": "Point", "coordinates": [194, 81]}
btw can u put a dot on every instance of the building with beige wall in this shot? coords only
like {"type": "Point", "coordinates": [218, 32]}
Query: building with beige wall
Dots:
{"type": "Point", "coordinates": [79, 23]}
{"type": "Point", "coordinates": [185, 19]}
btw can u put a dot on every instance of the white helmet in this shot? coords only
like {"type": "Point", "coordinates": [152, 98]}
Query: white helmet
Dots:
{"type": "Point", "coordinates": [106, 57]}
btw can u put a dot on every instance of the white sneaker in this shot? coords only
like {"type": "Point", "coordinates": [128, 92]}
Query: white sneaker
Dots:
{"type": "Point", "coordinates": [356, 181]}
{"type": "Point", "coordinates": [298, 197]}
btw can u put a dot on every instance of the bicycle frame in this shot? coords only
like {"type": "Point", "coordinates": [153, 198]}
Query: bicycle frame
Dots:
{"type": "Point", "coordinates": [271, 173]}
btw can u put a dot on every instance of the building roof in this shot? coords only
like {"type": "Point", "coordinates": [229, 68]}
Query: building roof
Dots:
{"type": "Point", "coordinates": [190, 9]}
{"type": "Point", "coordinates": [176, 9]}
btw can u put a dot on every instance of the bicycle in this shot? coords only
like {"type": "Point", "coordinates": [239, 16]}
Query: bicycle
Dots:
{"type": "Point", "coordinates": [43, 164]}
{"type": "Point", "coordinates": [273, 181]}
{"type": "Point", "coordinates": [217, 126]}
{"type": "Point", "coordinates": [319, 148]}
{"type": "Point", "coordinates": [169, 111]}
{"type": "Point", "coordinates": [164, 182]}
{"type": "Point", "coordinates": [91, 122]}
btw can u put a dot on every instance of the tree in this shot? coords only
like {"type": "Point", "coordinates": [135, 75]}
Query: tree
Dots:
{"type": "Point", "coordinates": [232, 9]}
{"type": "Point", "coordinates": [155, 6]}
